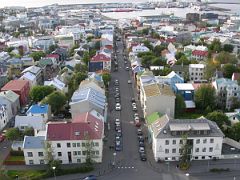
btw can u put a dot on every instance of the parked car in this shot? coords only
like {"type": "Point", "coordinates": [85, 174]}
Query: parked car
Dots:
{"type": "Point", "coordinates": [143, 156]}
{"type": "Point", "coordinates": [2, 137]}
{"type": "Point", "coordinates": [134, 108]}
{"type": "Point", "coordinates": [141, 150]}
{"type": "Point", "coordinates": [136, 115]}
{"type": "Point", "coordinates": [119, 134]}
{"type": "Point", "coordinates": [133, 100]}
{"type": "Point", "coordinates": [127, 68]}
{"type": "Point", "coordinates": [117, 95]}
{"type": "Point", "coordinates": [129, 82]}
{"type": "Point", "coordinates": [118, 107]}
{"type": "Point", "coordinates": [134, 104]}
{"type": "Point", "coordinates": [117, 100]}
{"type": "Point", "coordinates": [90, 177]}
{"type": "Point", "coordinates": [139, 132]}
{"type": "Point", "coordinates": [141, 144]}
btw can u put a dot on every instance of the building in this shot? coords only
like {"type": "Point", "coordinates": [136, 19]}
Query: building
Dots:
{"type": "Point", "coordinates": [226, 91]}
{"type": "Point", "coordinates": [37, 71]}
{"type": "Point", "coordinates": [57, 84]}
{"type": "Point", "coordinates": [11, 99]}
{"type": "Point", "coordinates": [20, 87]}
{"type": "Point", "coordinates": [203, 138]}
{"type": "Point", "coordinates": [83, 134]}
{"type": "Point", "coordinates": [199, 55]}
{"type": "Point", "coordinates": [3, 116]}
{"type": "Point", "coordinates": [196, 72]}
{"type": "Point", "coordinates": [139, 48]}
{"type": "Point", "coordinates": [84, 100]}
{"type": "Point", "coordinates": [157, 98]}
{"type": "Point", "coordinates": [234, 117]}
{"type": "Point", "coordinates": [31, 78]}
{"type": "Point", "coordinates": [43, 110]}
{"type": "Point", "coordinates": [34, 150]}
{"type": "Point", "coordinates": [100, 62]}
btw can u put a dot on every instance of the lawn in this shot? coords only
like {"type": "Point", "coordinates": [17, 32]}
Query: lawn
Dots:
{"type": "Point", "coordinates": [15, 158]}
{"type": "Point", "coordinates": [28, 174]}
{"type": "Point", "coordinates": [190, 115]}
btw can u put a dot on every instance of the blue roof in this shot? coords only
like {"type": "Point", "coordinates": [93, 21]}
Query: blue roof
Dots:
{"type": "Point", "coordinates": [38, 109]}
{"type": "Point", "coordinates": [33, 142]}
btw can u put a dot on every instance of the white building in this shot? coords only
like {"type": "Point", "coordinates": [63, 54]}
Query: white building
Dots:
{"type": "Point", "coordinates": [3, 116]}
{"type": "Point", "coordinates": [204, 139]}
{"type": "Point", "coordinates": [139, 48]}
{"type": "Point", "coordinates": [56, 83]}
{"type": "Point", "coordinates": [31, 78]}
{"type": "Point", "coordinates": [196, 72]}
{"type": "Point", "coordinates": [34, 150]}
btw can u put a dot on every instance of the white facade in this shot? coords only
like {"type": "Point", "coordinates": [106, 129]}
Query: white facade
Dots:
{"type": "Point", "coordinates": [196, 72]}
{"type": "Point", "coordinates": [74, 151]}
{"type": "Point", "coordinates": [139, 48]}
{"type": "Point", "coordinates": [3, 116]}
{"type": "Point", "coordinates": [34, 156]}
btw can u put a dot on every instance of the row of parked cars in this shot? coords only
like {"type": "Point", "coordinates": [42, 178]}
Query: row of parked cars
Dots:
{"type": "Point", "coordinates": [141, 146]}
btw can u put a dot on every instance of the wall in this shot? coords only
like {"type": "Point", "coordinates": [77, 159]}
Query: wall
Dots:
{"type": "Point", "coordinates": [36, 159]}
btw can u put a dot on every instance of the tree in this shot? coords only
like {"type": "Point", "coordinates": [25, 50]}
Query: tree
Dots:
{"type": "Point", "coordinates": [211, 68]}
{"type": "Point", "coordinates": [148, 44]}
{"type": "Point", "coordinates": [184, 154]}
{"type": "Point", "coordinates": [145, 31]}
{"type": "Point", "coordinates": [37, 55]}
{"type": "Point", "coordinates": [147, 60]}
{"type": "Point", "coordinates": [225, 57]}
{"type": "Point", "coordinates": [158, 50]}
{"type": "Point", "coordinates": [233, 132]}
{"type": "Point", "coordinates": [37, 93]}
{"type": "Point", "coordinates": [80, 68]}
{"type": "Point", "coordinates": [219, 117]}
{"type": "Point", "coordinates": [21, 51]}
{"type": "Point", "coordinates": [183, 60]}
{"type": "Point", "coordinates": [89, 38]}
{"type": "Point", "coordinates": [52, 48]}
{"type": "Point", "coordinates": [165, 71]}
{"type": "Point", "coordinates": [229, 69]}
{"type": "Point", "coordinates": [97, 45]}
{"type": "Point", "coordinates": [10, 49]}
{"type": "Point", "coordinates": [205, 97]}
{"type": "Point", "coordinates": [106, 79]}
{"type": "Point", "coordinates": [179, 105]}
{"type": "Point", "coordinates": [179, 54]}
{"type": "Point", "coordinates": [235, 103]}
{"type": "Point", "coordinates": [71, 51]}
{"type": "Point", "coordinates": [215, 46]}
{"type": "Point", "coordinates": [56, 100]}
{"type": "Point", "coordinates": [228, 48]}
{"type": "Point", "coordinates": [28, 131]}
{"type": "Point", "coordinates": [13, 134]}
{"type": "Point", "coordinates": [86, 57]}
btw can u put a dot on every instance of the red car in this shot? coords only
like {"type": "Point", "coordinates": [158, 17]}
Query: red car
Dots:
{"type": "Point", "coordinates": [137, 122]}
{"type": "Point", "coordinates": [2, 137]}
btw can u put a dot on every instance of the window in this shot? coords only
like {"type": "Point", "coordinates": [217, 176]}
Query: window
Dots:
{"type": "Point", "coordinates": [84, 153]}
{"type": "Point", "coordinates": [58, 145]}
{"type": "Point", "coordinates": [68, 145]}
{"type": "Point", "coordinates": [59, 154]}
{"type": "Point", "coordinates": [42, 161]}
{"type": "Point", "coordinates": [96, 144]}
{"type": "Point", "coordinates": [210, 149]}
{"type": "Point", "coordinates": [40, 154]}
{"type": "Point", "coordinates": [197, 141]}
{"type": "Point", "coordinates": [211, 140]}
{"type": "Point", "coordinates": [79, 153]}
{"type": "Point", "coordinates": [197, 150]}
{"type": "Point", "coordinates": [74, 153]}
{"type": "Point", "coordinates": [196, 157]}
{"type": "Point", "coordinates": [174, 142]}
{"type": "Point", "coordinates": [78, 144]}
{"type": "Point", "coordinates": [30, 154]}
{"type": "Point", "coordinates": [74, 144]}
{"type": "Point", "coordinates": [181, 141]}
{"type": "Point", "coordinates": [166, 151]}
{"type": "Point", "coordinates": [166, 142]}
{"type": "Point", "coordinates": [78, 160]}
{"type": "Point", "coordinates": [204, 150]}
{"type": "Point", "coordinates": [83, 144]}
{"type": "Point", "coordinates": [204, 141]}
{"type": "Point", "coordinates": [97, 152]}
{"type": "Point", "coordinates": [173, 150]}
{"type": "Point", "coordinates": [203, 157]}
{"type": "Point", "coordinates": [30, 161]}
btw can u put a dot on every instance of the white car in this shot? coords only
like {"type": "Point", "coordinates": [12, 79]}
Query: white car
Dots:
{"type": "Point", "coordinates": [134, 108]}
{"type": "Point", "coordinates": [141, 149]}
{"type": "Point", "coordinates": [127, 68]}
{"type": "Point", "coordinates": [134, 104]}
{"type": "Point", "coordinates": [129, 82]}
{"type": "Point", "coordinates": [118, 107]}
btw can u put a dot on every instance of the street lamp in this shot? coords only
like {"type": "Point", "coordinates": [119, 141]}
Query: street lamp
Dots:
{"type": "Point", "coordinates": [54, 172]}
{"type": "Point", "coordinates": [114, 158]}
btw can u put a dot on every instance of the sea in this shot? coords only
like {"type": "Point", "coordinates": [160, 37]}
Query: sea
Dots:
{"type": "Point", "coordinates": [235, 8]}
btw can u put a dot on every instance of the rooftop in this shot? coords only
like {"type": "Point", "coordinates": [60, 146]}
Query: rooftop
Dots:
{"type": "Point", "coordinates": [153, 117]}
{"type": "Point", "coordinates": [33, 142]}
{"type": "Point", "coordinates": [38, 109]}
{"type": "Point", "coordinates": [184, 86]}
{"type": "Point", "coordinates": [15, 85]}
{"type": "Point", "coordinates": [10, 95]}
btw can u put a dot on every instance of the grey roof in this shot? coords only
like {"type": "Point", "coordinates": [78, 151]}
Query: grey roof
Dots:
{"type": "Point", "coordinates": [33, 142]}
{"type": "Point", "coordinates": [37, 122]}
{"type": "Point", "coordinates": [163, 127]}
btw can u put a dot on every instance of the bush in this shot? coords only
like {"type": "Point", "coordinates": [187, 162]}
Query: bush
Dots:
{"type": "Point", "coordinates": [184, 165]}
{"type": "Point", "coordinates": [16, 153]}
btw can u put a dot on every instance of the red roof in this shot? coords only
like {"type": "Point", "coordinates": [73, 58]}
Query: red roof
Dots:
{"type": "Point", "coordinates": [15, 85]}
{"type": "Point", "coordinates": [100, 57]}
{"type": "Point", "coordinates": [53, 56]}
{"type": "Point", "coordinates": [200, 53]}
{"type": "Point", "coordinates": [110, 47]}
{"type": "Point", "coordinates": [82, 126]}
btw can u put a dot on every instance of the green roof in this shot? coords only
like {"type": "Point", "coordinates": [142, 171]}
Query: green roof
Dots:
{"type": "Point", "coordinates": [153, 117]}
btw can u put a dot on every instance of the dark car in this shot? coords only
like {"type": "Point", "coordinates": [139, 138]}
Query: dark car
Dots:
{"type": "Point", "coordinates": [118, 134]}
{"type": "Point", "coordinates": [90, 177]}
{"type": "Point", "coordinates": [141, 144]}
{"type": "Point", "coordinates": [139, 132]}
{"type": "Point", "coordinates": [118, 128]}
{"type": "Point", "coordinates": [143, 156]}
{"type": "Point", "coordinates": [140, 139]}
{"type": "Point", "coordinates": [117, 95]}
{"type": "Point", "coordinates": [117, 100]}
{"type": "Point", "coordinates": [133, 100]}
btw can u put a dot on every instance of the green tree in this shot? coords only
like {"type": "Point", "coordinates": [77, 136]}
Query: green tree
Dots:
{"type": "Point", "coordinates": [179, 54]}
{"type": "Point", "coordinates": [80, 68]}
{"type": "Point", "coordinates": [52, 48]}
{"type": "Point", "coordinates": [89, 38]}
{"type": "Point", "coordinates": [16, 34]}
{"type": "Point", "coordinates": [165, 71]}
{"type": "Point", "coordinates": [97, 45]}
{"type": "Point", "coordinates": [86, 57]}
{"type": "Point", "coordinates": [219, 117]}
{"type": "Point", "coordinates": [185, 153]}
{"type": "Point", "coordinates": [215, 46]}
{"type": "Point", "coordinates": [179, 105]}
{"type": "Point", "coordinates": [228, 48]}
{"type": "Point", "coordinates": [21, 51]}
{"type": "Point", "coordinates": [225, 57]}
{"type": "Point", "coordinates": [106, 79]}
{"type": "Point", "coordinates": [37, 55]}
{"type": "Point", "coordinates": [205, 97]}
{"type": "Point", "coordinates": [29, 131]}
{"type": "Point", "coordinates": [183, 60]}
{"type": "Point", "coordinates": [13, 134]}
{"type": "Point", "coordinates": [147, 60]}
{"type": "Point", "coordinates": [56, 100]}
{"type": "Point", "coordinates": [148, 44]}
{"type": "Point", "coordinates": [141, 54]}
{"type": "Point", "coordinates": [235, 103]}
{"type": "Point", "coordinates": [71, 51]}
{"type": "Point", "coordinates": [145, 31]}
{"type": "Point", "coordinates": [37, 93]}
{"type": "Point", "coordinates": [229, 69]}
{"type": "Point", "coordinates": [10, 49]}
{"type": "Point", "coordinates": [233, 132]}
{"type": "Point", "coordinates": [211, 68]}
{"type": "Point", "coordinates": [158, 50]}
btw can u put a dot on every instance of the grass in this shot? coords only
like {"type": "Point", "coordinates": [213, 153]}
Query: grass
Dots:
{"type": "Point", "coordinates": [190, 115]}
{"type": "Point", "coordinates": [15, 158]}
{"type": "Point", "coordinates": [28, 174]}
{"type": "Point", "coordinates": [153, 117]}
